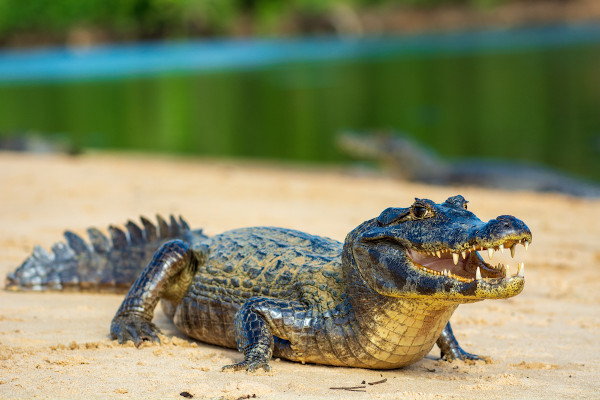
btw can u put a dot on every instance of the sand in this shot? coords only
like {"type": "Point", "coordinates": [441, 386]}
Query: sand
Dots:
{"type": "Point", "coordinates": [543, 343]}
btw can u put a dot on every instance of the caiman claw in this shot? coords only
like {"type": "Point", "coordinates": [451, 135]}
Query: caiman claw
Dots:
{"type": "Point", "coordinates": [460, 354]}
{"type": "Point", "coordinates": [451, 350]}
{"type": "Point", "coordinates": [135, 328]}
{"type": "Point", "coordinates": [253, 360]}
{"type": "Point", "coordinates": [249, 366]}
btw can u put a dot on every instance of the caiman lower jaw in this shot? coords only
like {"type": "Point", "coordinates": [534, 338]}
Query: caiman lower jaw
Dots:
{"type": "Point", "coordinates": [466, 265]}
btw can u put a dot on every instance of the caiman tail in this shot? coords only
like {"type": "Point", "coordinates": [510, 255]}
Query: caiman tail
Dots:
{"type": "Point", "coordinates": [103, 264]}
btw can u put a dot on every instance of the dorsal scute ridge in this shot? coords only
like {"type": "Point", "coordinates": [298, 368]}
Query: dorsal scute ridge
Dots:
{"type": "Point", "coordinates": [185, 227]}
{"type": "Point", "coordinates": [118, 237]}
{"type": "Point", "coordinates": [101, 260]}
{"type": "Point", "coordinates": [62, 251]}
{"type": "Point", "coordinates": [121, 238]}
{"type": "Point", "coordinates": [174, 228]}
{"type": "Point", "coordinates": [163, 227]}
{"type": "Point", "coordinates": [150, 232]}
{"type": "Point", "coordinates": [100, 243]}
{"type": "Point", "coordinates": [136, 235]}
{"type": "Point", "coordinates": [41, 254]}
{"type": "Point", "coordinates": [76, 242]}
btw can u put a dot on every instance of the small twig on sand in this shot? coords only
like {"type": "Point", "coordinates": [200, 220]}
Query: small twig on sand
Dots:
{"type": "Point", "coordinates": [350, 388]}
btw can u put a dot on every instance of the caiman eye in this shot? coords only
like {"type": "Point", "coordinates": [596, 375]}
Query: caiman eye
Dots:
{"type": "Point", "coordinates": [420, 212]}
{"type": "Point", "coordinates": [465, 205]}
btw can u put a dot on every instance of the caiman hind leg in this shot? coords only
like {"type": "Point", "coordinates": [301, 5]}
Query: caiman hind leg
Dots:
{"type": "Point", "coordinates": [450, 348]}
{"type": "Point", "coordinates": [167, 277]}
{"type": "Point", "coordinates": [258, 323]}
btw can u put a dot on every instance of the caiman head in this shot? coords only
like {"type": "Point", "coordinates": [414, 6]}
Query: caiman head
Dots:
{"type": "Point", "coordinates": [430, 250]}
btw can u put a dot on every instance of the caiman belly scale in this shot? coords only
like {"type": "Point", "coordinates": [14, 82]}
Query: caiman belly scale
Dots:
{"type": "Point", "coordinates": [382, 299]}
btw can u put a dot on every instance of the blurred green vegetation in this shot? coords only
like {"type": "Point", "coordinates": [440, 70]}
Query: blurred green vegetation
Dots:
{"type": "Point", "coordinates": [539, 105]}
{"type": "Point", "coordinates": [148, 19]}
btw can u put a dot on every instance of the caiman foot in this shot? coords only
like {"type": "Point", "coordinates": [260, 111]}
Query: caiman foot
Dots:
{"type": "Point", "coordinates": [451, 350]}
{"type": "Point", "coordinates": [253, 360]}
{"type": "Point", "coordinates": [249, 366]}
{"type": "Point", "coordinates": [459, 354]}
{"type": "Point", "coordinates": [134, 328]}
{"type": "Point", "coordinates": [252, 333]}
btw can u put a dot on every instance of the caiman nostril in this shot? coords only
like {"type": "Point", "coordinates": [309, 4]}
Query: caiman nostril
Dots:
{"type": "Point", "coordinates": [507, 221]}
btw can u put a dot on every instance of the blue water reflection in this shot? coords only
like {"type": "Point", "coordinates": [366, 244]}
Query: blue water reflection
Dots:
{"type": "Point", "coordinates": [530, 95]}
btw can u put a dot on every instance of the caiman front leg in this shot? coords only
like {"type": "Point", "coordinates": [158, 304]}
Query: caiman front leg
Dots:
{"type": "Point", "coordinates": [167, 276]}
{"type": "Point", "coordinates": [450, 348]}
{"type": "Point", "coordinates": [258, 323]}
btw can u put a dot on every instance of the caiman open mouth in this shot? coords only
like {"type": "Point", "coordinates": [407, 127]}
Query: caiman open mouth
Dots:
{"type": "Point", "coordinates": [467, 265]}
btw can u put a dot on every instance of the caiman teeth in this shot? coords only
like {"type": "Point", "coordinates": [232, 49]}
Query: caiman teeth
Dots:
{"type": "Point", "coordinates": [521, 270]}
{"type": "Point", "coordinates": [501, 247]}
{"type": "Point", "coordinates": [446, 273]}
{"type": "Point", "coordinates": [469, 267]}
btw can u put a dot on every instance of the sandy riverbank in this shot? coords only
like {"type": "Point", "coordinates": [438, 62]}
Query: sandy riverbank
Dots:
{"type": "Point", "coordinates": [543, 343]}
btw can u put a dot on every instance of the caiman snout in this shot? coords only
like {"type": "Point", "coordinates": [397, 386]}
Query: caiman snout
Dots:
{"type": "Point", "coordinates": [504, 227]}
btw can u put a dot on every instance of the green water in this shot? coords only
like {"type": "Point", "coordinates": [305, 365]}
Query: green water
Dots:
{"type": "Point", "coordinates": [541, 106]}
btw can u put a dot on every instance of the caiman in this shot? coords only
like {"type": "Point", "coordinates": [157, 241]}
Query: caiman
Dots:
{"type": "Point", "coordinates": [409, 160]}
{"type": "Point", "coordinates": [380, 300]}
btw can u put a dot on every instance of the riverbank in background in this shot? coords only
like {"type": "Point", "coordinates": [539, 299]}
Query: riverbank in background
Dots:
{"type": "Point", "coordinates": [65, 22]}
